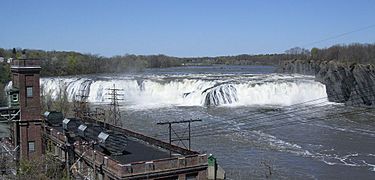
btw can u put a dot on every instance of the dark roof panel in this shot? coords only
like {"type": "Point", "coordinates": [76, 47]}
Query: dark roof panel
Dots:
{"type": "Point", "coordinates": [54, 118]}
{"type": "Point", "coordinates": [118, 146]}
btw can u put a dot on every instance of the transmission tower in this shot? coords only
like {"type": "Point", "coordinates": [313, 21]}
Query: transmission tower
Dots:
{"type": "Point", "coordinates": [99, 115]}
{"type": "Point", "coordinates": [114, 110]}
{"type": "Point", "coordinates": [81, 108]}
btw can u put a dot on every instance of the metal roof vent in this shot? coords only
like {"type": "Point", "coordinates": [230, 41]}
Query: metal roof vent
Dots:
{"type": "Point", "coordinates": [46, 114]}
{"type": "Point", "coordinates": [65, 123]}
{"type": "Point", "coordinates": [53, 118]}
{"type": "Point", "coordinates": [102, 137]}
{"type": "Point", "coordinates": [81, 130]}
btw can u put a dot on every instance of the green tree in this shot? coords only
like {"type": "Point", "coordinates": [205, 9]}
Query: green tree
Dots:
{"type": "Point", "coordinates": [72, 64]}
{"type": "Point", "coordinates": [61, 102]}
{"type": "Point", "coordinates": [314, 53]}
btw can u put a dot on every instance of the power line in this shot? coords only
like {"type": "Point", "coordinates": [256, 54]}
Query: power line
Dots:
{"type": "Point", "coordinates": [264, 127]}
{"type": "Point", "coordinates": [339, 35]}
{"type": "Point", "coordinates": [261, 116]}
{"type": "Point", "coordinates": [368, 108]}
{"type": "Point", "coordinates": [305, 108]}
{"type": "Point", "coordinates": [290, 106]}
{"type": "Point", "coordinates": [254, 113]}
{"type": "Point", "coordinates": [264, 117]}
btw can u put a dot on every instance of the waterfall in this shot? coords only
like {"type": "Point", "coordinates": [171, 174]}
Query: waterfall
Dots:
{"type": "Point", "coordinates": [184, 91]}
{"type": "Point", "coordinates": [219, 95]}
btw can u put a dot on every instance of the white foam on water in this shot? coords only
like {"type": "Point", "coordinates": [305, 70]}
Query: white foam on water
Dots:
{"type": "Point", "coordinates": [344, 160]}
{"type": "Point", "coordinates": [372, 166]}
{"type": "Point", "coordinates": [356, 131]}
{"type": "Point", "coordinates": [280, 93]}
{"type": "Point", "coordinates": [282, 145]}
{"type": "Point", "coordinates": [273, 142]}
{"type": "Point", "coordinates": [201, 90]}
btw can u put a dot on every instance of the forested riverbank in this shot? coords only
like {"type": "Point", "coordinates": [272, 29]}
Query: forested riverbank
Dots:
{"type": "Point", "coordinates": [62, 63]}
{"type": "Point", "coordinates": [347, 71]}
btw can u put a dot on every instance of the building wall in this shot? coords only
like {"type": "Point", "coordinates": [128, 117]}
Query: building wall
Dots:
{"type": "Point", "coordinates": [189, 167]}
{"type": "Point", "coordinates": [30, 121]}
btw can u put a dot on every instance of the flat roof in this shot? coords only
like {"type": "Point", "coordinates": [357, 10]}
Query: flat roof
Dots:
{"type": "Point", "coordinates": [122, 148]}
{"type": "Point", "coordinates": [141, 152]}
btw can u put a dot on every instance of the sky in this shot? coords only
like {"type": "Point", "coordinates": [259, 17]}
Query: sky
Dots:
{"type": "Point", "coordinates": [184, 28]}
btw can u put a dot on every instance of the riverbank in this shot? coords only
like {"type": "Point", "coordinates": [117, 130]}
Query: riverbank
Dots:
{"type": "Point", "coordinates": [352, 84]}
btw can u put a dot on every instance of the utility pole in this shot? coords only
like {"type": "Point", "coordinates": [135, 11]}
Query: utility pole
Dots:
{"type": "Point", "coordinates": [114, 111]}
{"type": "Point", "coordinates": [189, 136]}
{"type": "Point", "coordinates": [93, 159]}
{"type": "Point", "coordinates": [170, 137]}
{"type": "Point", "coordinates": [178, 138]}
{"type": "Point", "coordinates": [67, 156]}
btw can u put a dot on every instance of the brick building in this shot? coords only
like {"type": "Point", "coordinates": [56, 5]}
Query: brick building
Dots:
{"type": "Point", "coordinates": [25, 90]}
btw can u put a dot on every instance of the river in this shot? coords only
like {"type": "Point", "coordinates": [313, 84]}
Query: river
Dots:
{"type": "Point", "coordinates": [257, 123]}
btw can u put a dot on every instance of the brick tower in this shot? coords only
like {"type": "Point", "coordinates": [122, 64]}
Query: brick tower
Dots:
{"type": "Point", "coordinates": [27, 131]}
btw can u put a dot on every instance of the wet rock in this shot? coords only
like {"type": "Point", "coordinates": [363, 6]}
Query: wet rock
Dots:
{"type": "Point", "coordinates": [219, 95]}
{"type": "Point", "coordinates": [353, 84]}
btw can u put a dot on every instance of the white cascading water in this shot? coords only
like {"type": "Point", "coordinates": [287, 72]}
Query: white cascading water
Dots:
{"type": "Point", "coordinates": [184, 91]}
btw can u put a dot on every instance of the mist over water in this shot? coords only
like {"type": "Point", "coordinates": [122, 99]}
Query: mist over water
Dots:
{"type": "Point", "coordinates": [252, 119]}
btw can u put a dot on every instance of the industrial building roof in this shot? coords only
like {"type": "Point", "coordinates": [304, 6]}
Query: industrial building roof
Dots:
{"type": "Point", "coordinates": [122, 148]}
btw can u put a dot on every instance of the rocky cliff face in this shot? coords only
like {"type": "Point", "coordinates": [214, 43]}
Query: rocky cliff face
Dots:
{"type": "Point", "coordinates": [352, 84]}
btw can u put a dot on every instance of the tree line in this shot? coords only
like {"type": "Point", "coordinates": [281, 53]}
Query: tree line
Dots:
{"type": "Point", "coordinates": [352, 53]}
{"type": "Point", "coordinates": [4, 78]}
{"type": "Point", "coordinates": [62, 63]}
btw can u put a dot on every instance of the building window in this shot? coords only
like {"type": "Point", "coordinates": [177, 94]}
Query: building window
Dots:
{"type": "Point", "coordinates": [31, 146]}
{"type": "Point", "coordinates": [29, 92]}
